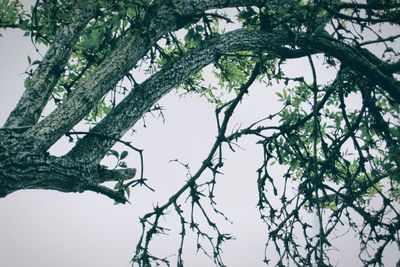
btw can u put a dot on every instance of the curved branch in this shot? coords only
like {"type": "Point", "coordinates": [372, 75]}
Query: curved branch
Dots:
{"type": "Point", "coordinates": [144, 96]}
{"type": "Point", "coordinates": [161, 17]}
{"type": "Point", "coordinates": [363, 62]}
{"type": "Point", "coordinates": [46, 75]}
{"type": "Point", "coordinates": [140, 100]}
{"type": "Point", "coordinates": [131, 49]}
{"type": "Point", "coordinates": [190, 7]}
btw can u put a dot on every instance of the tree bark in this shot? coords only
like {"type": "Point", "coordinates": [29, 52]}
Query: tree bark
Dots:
{"type": "Point", "coordinates": [44, 78]}
{"type": "Point", "coordinates": [24, 141]}
{"type": "Point", "coordinates": [145, 95]}
{"type": "Point", "coordinates": [42, 171]}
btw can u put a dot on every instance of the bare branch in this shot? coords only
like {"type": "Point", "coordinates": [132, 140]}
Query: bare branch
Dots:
{"type": "Point", "coordinates": [142, 253]}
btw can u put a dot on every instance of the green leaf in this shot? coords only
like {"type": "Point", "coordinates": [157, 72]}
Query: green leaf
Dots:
{"type": "Point", "coordinates": [123, 155]}
{"type": "Point", "coordinates": [27, 82]}
{"type": "Point", "coordinates": [119, 185]}
{"type": "Point", "coordinates": [114, 153]}
{"type": "Point", "coordinates": [128, 192]}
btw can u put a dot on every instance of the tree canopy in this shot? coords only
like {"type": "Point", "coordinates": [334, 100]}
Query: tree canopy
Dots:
{"type": "Point", "coordinates": [338, 142]}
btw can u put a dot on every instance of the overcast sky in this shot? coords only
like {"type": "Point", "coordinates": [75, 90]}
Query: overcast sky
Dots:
{"type": "Point", "coordinates": [46, 228]}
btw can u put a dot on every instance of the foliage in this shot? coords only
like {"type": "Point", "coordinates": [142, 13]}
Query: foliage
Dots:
{"type": "Point", "coordinates": [338, 142]}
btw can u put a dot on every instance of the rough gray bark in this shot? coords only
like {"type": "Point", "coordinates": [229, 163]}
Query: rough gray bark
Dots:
{"type": "Point", "coordinates": [190, 7]}
{"type": "Point", "coordinates": [34, 171]}
{"type": "Point", "coordinates": [144, 96]}
{"type": "Point", "coordinates": [160, 19]}
{"type": "Point", "coordinates": [45, 77]}
{"type": "Point", "coordinates": [24, 141]}
{"type": "Point", "coordinates": [111, 70]}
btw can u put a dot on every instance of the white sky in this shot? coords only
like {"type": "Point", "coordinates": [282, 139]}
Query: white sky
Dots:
{"type": "Point", "coordinates": [46, 228]}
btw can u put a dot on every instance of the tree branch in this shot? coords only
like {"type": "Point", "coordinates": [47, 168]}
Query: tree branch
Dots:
{"type": "Point", "coordinates": [46, 75]}
{"type": "Point", "coordinates": [140, 100]}
{"type": "Point", "coordinates": [142, 253]}
{"type": "Point", "coordinates": [373, 70]}
{"type": "Point", "coordinates": [131, 49]}
{"type": "Point", "coordinates": [47, 172]}
{"type": "Point", "coordinates": [160, 18]}
{"type": "Point", "coordinates": [190, 7]}
{"type": "Point", "coordinates": [144, 96]}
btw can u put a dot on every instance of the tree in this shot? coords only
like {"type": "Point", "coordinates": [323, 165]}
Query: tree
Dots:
{"type": "Point", "coordinates": [338, 157]}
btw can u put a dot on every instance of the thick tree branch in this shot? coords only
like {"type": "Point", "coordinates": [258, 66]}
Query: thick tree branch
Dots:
{"type": "Point", "coordinates": [160, 18]}
{"type": "Point", "coordinates": [357, 60]}
{"type": "Point", "coordinates": [24, 171]}
{"type": "Point", "coordinates": [312, 139]}
{"type": "Point", "coordinates": [131, 109]}
{"type": "Point", "coordinates": [46, 75]}
{"type": "Point", "coordinates": [131, 49]}
{"type": "Point", "coordinates": [394, 67]}
{"type": "Point", "coordinates": [190, 7]}
{"type": "Point", "coordinates": [144, 96]}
